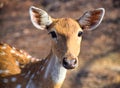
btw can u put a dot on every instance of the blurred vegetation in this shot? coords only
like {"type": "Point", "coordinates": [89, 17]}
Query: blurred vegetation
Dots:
{"type": "Point", "coordinates": [99, 63]}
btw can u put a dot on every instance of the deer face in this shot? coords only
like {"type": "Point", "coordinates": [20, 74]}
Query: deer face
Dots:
{"type": "Point", "coordinates": [66, 33]}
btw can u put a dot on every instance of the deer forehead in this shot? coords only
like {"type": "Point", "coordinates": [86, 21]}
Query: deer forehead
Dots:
{"type": "Point", "coordinates": [66, 26]}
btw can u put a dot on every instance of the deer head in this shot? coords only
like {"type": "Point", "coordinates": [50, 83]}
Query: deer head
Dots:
{"type": "Point", "coordinates": [66, 33]}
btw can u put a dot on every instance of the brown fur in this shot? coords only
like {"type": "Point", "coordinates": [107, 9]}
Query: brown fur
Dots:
{"type": "Point", "coordinates": [8, 59]}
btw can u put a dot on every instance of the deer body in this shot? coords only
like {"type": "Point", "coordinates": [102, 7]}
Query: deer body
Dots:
{"type": "Point", "coordinates": [20, 70]}
{"type": "Point", "coordinates": [48, 71]}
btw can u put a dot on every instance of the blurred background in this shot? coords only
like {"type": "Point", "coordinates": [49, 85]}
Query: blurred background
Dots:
{"type": "Point", "coordinates": [99, 60]}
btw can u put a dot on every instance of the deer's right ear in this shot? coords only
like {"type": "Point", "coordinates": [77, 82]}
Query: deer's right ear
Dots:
{"type": "Point", "coordinates": [39, 18]}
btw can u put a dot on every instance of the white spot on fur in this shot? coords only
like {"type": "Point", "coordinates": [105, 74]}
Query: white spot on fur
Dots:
{"type": "Point", "coordinates": [21, 51]}
{"type": "Point", "coordinates": [5, 80]}
{"type": "Point", "coordinates": [17, 63]}
{"type": "Point", "coordinates": [12, 51]}
{"type": "Point", "coordinates": [28, 56]}
{"type": "Point", "coordinates": [13, 79]}
{"type": "Point", "coordinates": [34, 59]}
{"type": "Point", "coordinates": [4, 71]}
{"type": "Point", "coordinates": [19, 86]}
{"type": "Point", "coordinates": [37, 59]}
{"type": "Point", "coordinates": [13, 48]}
{"type": "Point", "coordinates": [18, 54]}
{"type": "Point", "coordinates": [3, 47]}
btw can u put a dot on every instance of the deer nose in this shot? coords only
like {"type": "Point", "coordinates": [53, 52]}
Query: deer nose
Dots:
{"type": "Point", "coordinates": [69, 63]}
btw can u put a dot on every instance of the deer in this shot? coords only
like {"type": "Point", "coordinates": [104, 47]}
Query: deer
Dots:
{"type": "Point", "coordinates": [20, 70]}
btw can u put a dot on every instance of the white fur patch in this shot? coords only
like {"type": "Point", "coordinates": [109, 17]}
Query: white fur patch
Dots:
{"type": "Point", "coordinates": [3, 47]}
{"type": "Point", "coordinates": [56, 70]}
{"type": "Point", "coordinates": [28, 56]}
{"type": "Point", "coordinates": [12, 51]}
{"type": "Point", "coordinates": [19, 86]}
{"type": "Point", "coordinates": [17, 63]}
{"type": "Point", "coordinates": [13, 79]}
{"type": "Point", "coordinates": [59, 72]}
{"type": "Point", "coordinates": [4, 71]}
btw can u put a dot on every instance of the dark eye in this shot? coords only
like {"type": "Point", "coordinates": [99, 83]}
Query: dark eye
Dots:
{"type": "Point", "coordinates": [80, 33]}
{"type": "Point", "coordinates": [53, 34]}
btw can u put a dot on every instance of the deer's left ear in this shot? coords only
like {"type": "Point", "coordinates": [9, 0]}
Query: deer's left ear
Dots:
{"type": "Point", "coordinates": [91, 19]}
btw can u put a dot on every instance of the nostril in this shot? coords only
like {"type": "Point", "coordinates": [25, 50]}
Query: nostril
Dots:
{"type": "Point", "coordinates": [74, 61]}
{"type": "Point", "coordinates": [65, 62]}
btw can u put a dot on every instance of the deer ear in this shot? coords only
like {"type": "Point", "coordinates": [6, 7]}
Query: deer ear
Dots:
{"type": "Point", "coordinates": [39, 18]}
{"type": "Point", "coordinates": [91, 19]}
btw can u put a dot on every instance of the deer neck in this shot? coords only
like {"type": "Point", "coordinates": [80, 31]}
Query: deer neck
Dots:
{"type": "Point", "coordinates": [49, 72]}
{"type": "Point", "coordinates": [55, 70]}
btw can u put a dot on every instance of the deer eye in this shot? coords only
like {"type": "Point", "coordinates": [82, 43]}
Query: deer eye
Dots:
{"type": "Point", "coordinates": [53, 34]}
{"type": "Point", "coordinates": [80, 33]}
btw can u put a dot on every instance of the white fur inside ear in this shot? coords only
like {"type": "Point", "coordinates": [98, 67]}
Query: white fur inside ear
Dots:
{"type": "Point", "coordinates": [42, 20]}
{"type": "Point", "coordinates": [89, 21]}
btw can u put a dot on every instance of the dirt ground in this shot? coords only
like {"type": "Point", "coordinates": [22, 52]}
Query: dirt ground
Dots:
{"type": "Point", "coordinates": [99, 61]}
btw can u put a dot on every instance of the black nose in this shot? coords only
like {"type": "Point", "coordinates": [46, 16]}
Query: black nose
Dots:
{"type": "Point", "coordinates": [69, 63]}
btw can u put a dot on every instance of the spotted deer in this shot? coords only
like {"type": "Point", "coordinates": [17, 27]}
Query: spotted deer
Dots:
{"type": "Point", "coordinates": [20, 70]}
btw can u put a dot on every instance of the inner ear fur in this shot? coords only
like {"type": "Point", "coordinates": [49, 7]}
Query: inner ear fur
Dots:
{"type": "Point", "coordinates": [91, 19]}
{"type": "Point", "coordinates": [39, 18]}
